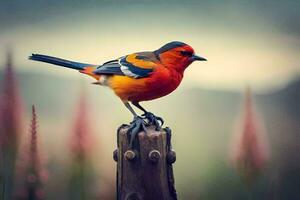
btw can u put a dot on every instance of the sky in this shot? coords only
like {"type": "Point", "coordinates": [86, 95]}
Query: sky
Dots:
{"type": "Point", "coordinates": [246, 42]}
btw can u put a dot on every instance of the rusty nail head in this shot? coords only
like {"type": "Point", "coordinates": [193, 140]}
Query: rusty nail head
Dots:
{"type": "Point", "coordinates": [154, 156]}
{"type": "Point", "coordinates": [171, 156]}
{"type": "Point", "coordinates": [115, 155]}
{"type": "Point", "coordinates": [133, 196]}
{"type": "Point", "coordinates": [130, 155]}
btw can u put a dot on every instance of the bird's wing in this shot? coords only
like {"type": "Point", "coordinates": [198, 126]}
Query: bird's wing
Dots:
{"type": "Point", "coordinates": [137, 65]}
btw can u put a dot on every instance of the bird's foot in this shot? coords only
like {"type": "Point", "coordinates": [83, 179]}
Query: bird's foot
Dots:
{"type": "Point", "coordinates": [137, 125]}
{"type": "Point", "coordinates": [153, 120]}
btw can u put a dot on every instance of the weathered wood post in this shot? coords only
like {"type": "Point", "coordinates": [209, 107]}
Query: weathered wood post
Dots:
{"type": "Point", "coordinates": [145, 172]}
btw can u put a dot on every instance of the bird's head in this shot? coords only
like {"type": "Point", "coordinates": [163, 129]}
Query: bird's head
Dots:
{"type": "Point", "coordinates": [177, 55]}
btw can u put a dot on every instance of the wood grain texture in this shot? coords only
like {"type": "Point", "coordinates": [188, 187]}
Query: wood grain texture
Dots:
{"type": "Point", "coordinates": [144, 172]}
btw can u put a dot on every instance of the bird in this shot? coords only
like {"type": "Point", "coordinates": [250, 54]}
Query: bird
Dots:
{"type": "Point", "coordinates": [137, 77]}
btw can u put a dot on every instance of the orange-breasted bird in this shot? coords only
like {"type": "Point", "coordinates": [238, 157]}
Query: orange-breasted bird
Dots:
{"type": "Point", "coordinates": [138, 77]}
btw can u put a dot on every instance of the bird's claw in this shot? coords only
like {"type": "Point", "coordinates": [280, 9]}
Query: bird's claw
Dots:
{"type": "Point", "coordinates": [139, 124]}
{"type": "Point", "coordinates": [153, 120]}
{"type": "Point", "coordinates": [135, 127]}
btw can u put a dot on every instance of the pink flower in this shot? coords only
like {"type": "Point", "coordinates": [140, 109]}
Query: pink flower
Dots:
{"type": "Point", "coordinates": [249, 149]}
{"type": "Point", "coordinates": [81, 170]}
{"type": "Point", "coordinates": [81, 140]}
{"type": "Point", "coordinates": [10, 127]}
{"type": "Point", "coordinates": [31, 174]}
{"type": "Point", "coordinates": [10, 109]}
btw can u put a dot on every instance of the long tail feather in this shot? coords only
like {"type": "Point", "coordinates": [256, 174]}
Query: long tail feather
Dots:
{"type": "Point", "coordinates": [60, 62]}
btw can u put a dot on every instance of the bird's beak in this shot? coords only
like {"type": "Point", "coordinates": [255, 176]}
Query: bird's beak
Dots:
{"type": "Point", "coordinates": [195, 57]}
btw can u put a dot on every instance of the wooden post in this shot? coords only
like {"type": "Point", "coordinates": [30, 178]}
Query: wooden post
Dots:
{"type": "Point", "coordinates": [145, 172]}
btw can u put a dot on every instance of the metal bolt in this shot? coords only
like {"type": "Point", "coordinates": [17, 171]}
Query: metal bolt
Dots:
{"type": "Point", "coordinates": [115, 155]}
{"type": "Point", "coordinates": [154, 156]}
{"type": "Point", "coordinates": [171, 156]}
{"type": "Point", "coordinates": [130, 155]}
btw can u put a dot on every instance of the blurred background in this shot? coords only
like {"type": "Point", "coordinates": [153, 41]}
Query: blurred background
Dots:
{"type": "Point", "coordinates": [247, 43]}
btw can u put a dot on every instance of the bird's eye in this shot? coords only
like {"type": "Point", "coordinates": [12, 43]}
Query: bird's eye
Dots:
{"type": "Point", "coordinates": [186, 53]}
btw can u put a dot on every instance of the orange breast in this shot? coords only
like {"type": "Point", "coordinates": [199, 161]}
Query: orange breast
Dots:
{"type": "Point", "coordinates": [160, 83]}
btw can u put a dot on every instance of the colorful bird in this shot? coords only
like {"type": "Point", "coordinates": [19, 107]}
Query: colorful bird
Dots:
{"type": "Point", "coordinates": [138, 77]}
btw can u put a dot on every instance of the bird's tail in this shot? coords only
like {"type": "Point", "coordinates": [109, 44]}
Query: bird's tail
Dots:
{"type": "Point", "coordinates": [81, 67]}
